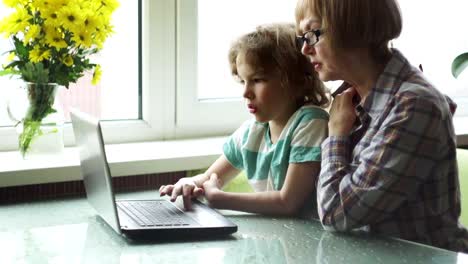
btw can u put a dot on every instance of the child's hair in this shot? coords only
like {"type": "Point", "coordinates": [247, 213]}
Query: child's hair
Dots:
{"type": "Point", "coordinates": [273, 48]}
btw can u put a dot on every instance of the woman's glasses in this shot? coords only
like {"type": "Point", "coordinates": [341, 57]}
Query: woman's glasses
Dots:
{"type": "Point", "coordinates": [310, 38]}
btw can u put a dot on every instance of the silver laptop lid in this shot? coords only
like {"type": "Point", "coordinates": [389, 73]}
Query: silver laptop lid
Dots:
{"type": "Point", "coordinates": [94, 167]}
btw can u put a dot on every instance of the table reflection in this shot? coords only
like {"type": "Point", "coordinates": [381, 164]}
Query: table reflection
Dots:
{"type": "Point", "coordinates": [69, 232]}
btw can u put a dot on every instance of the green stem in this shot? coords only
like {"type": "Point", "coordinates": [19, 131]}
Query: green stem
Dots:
{"type": "Point", "coordinates": [41, 99]}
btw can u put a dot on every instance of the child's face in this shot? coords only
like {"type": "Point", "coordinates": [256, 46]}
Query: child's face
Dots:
{"type": "Point", "coordinates": [265, 96]}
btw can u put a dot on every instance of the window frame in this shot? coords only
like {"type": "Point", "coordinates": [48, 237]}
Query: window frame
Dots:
{"type": "Point", "coordinates": [157, 77]}
{"type": "Point", "coordinates": [194, 116]}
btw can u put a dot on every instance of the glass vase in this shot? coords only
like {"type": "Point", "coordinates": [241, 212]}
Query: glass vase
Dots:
{"type": "Point", "coordinates": [41, 126]}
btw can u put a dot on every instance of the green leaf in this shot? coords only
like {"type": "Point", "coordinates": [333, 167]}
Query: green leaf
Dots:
{"type": "Point", "coordinates": [35, 72]}
{"type": "Point", "coordinates": [21, 50]}
{"type": "Point", "coordinates": [31, 129]}
{"type": "Point", "coordinates": [459, 64]}
{"type": "Point", "coordinates": [14, 65]}
{"type": "Point", "coordinates": [6, 72]}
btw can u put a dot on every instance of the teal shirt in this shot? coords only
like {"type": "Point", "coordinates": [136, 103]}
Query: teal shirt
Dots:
{"type": "Point", "coordinates": [250, 148]}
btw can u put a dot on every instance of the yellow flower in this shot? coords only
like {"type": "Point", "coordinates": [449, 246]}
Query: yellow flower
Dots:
{"type": "Point", "coordinates": [4, 28]}
{"type": "Point", "coordinates": [37, 54]}
{"type": "Point", "coordinates": [51, 19]}
{"type": "Point", "coordinates": [11, 57]}
{"type": "Point", "coordinates": [99, 38]}
{"type": "Point", "coordinates": [109, 5]}
{"type": "Point", "coordinates": [102, 33]}
{"type": "Point", "coordinates": [82, 38]}
{"type": "Point", "coordinates": [15, 23]}
{"type": "Point", "coordinates": [59, 3]}
{"type": "Point", "coordinates": [41, 5]}
{"type": "Point", "coordinates": [33, 32]}
{"type": "Point", "coordinates": [96, 75]}
{"type": "Point", "coordinates": [10, 3]}
{"type": "Point", "coordinates": [91, 22]}
{"type": "Point", "coordinates": [14, 3]}
{"type": "Point", "coordinates": [68, 60]}
{"type": "Point", "coordinates": [71, 17]}
{"type": "Point", "coordinates": [46, 6]}
{"type": "Point", "coordinates": [55, 38]}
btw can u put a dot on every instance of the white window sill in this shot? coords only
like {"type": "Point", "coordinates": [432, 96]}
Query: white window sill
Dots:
{"type": "Point", "coordinates": [124, 159]}
{"type": "Point", "coordinates": [131, 159]}
{"type": "Point", "coordinates": [461, 130]}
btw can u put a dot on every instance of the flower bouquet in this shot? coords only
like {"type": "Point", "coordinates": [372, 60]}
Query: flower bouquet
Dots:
{"type": "Point", "coordinates": [52, 44]}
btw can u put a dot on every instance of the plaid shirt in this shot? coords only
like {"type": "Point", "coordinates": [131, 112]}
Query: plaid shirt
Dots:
{"type": "Point", "coordinates": [396, 174]}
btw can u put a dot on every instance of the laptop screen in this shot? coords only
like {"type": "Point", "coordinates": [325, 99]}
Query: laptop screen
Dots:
{"type": "Point", "coordinates": [94, 167]}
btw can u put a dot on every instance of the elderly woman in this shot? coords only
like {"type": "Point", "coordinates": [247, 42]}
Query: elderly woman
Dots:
{"type": "Point", "coordinates": [389, 163]}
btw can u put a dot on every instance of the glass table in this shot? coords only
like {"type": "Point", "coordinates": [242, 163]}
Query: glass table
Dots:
{"type": "Point", "coordinates": [68, 231]}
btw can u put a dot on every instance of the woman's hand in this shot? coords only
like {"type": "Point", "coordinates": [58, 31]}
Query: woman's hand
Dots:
{"type": "Point", "coordinates": [185, 187]}
{"type": "Point", "coordinates": [212, 188]}
{"type": "Point", "coordinates": [342, 114]}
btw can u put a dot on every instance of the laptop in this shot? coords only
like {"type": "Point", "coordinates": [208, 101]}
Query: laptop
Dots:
{"type": "Point", "coordinates": [137, 219]}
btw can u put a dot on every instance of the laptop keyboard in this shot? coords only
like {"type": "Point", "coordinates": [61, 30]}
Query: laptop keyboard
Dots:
{"type": "Point", "coordinates": [154, 213]}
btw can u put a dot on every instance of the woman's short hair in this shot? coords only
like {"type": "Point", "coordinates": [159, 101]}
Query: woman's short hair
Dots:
{"type": "Point", "coordinates": [273, 48]}
{"type": "Point", "coordinates": [355, 23]}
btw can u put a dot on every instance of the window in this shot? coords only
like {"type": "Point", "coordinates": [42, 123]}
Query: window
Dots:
{"type": "Point", "coordinates": [207, 95]}
{"type": "Point", "coordinates": [178, 83]}
{"type": "Point", "coordinates": [214, 39]}
{"type": "Point", "coordinates": [434, 33]}
{"type": "Point", "coordinates": [207, 92]}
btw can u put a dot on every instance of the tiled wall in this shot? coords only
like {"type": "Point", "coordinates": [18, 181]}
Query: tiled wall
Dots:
{"type": "Point", "coordinates": [75, 188]}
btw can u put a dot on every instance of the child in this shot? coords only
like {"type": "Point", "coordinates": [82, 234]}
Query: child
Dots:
{"type": "Point", "coordinates": [280, 148]}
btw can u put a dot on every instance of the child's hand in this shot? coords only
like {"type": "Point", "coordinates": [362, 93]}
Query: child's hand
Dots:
{"type": "Point", "coordinates": [185, 187]}
{"type": "Point", "coordinates": [211, 188]}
